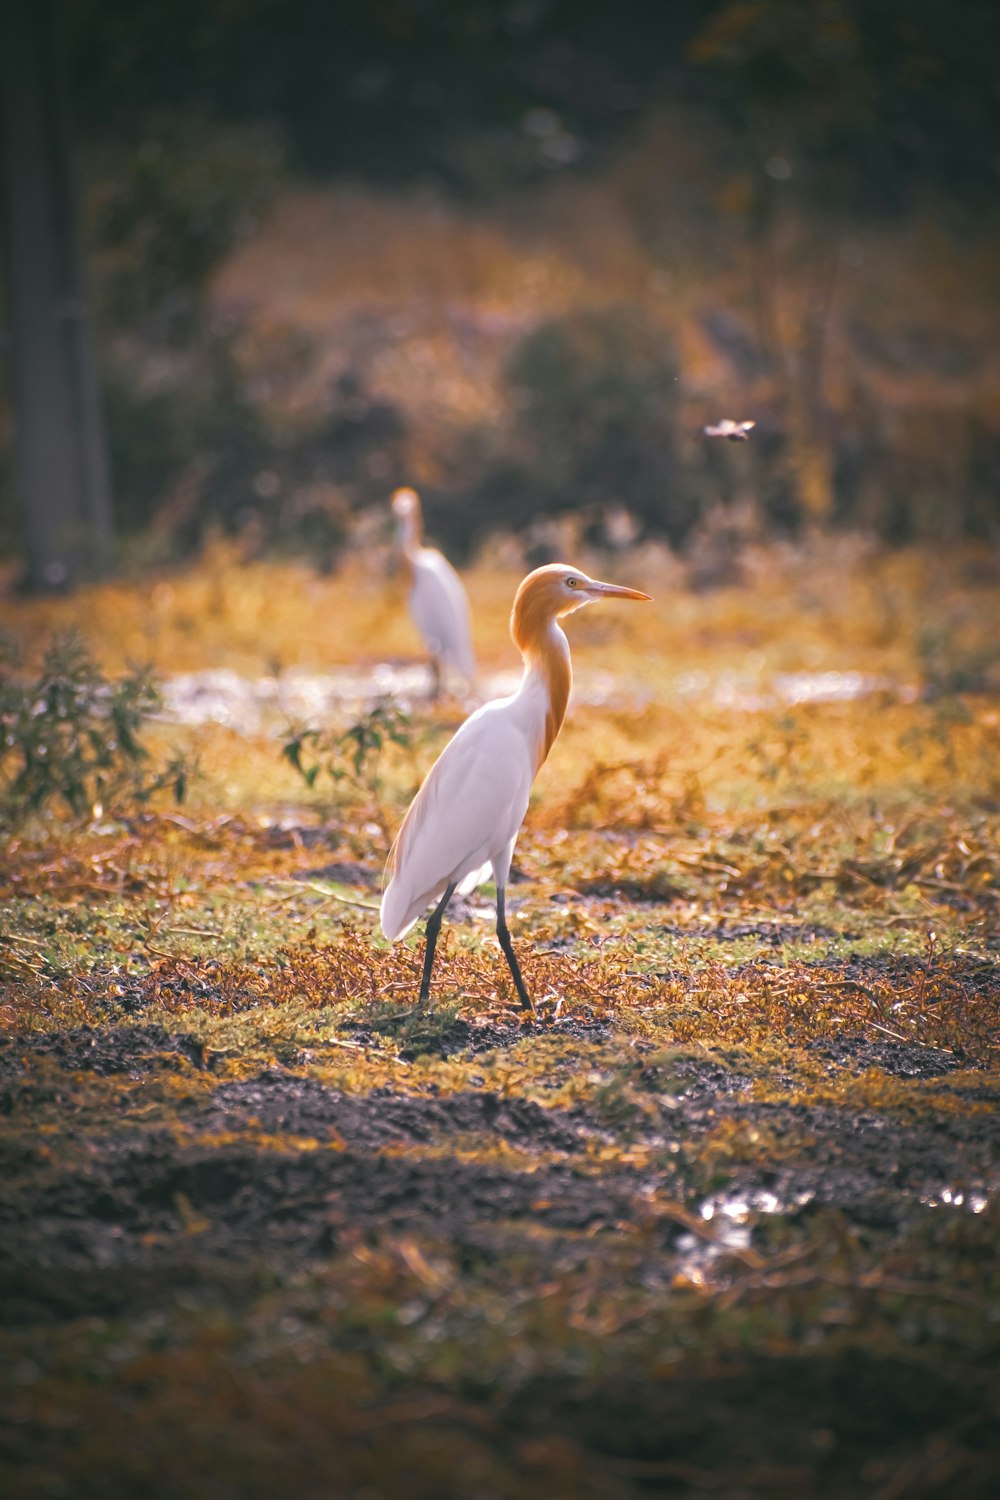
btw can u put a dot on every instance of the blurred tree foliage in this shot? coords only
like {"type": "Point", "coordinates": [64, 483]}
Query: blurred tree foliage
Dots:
{"type": "Point", "coordinates": [167, 209]}
{"type": "Point", "coordinates": [193, 112]}
{"type": "Point", "coordinates": [882, 98]}
{"type": "Point", "coordinates": [902, 91]}
{"type": "Point", "coordinates": [594, 400]}
{"type": "Point", "coordinates": [838, 112]}
{"type": "Point", "coordinates": [192, 445]}
{"type": "Point", "coordinates": [186, 440]}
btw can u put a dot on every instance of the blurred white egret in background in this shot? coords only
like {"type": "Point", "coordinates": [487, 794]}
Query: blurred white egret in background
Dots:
{"type": "Point", "coordinates": [463, 822]}
{"type": "Point", "coordinates": [438, 604]}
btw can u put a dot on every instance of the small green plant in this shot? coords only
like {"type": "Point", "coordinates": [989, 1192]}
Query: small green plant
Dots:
{"type": "Point", "coordinates": [352, 758]}
{"type": "Point", "coordinates": [72, 736]}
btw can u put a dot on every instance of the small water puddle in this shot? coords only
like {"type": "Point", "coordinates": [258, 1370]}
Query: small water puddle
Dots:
{"type": "Point", "coordinates": [973, 1200]}
{"type": "Point", "coordinates": [251, 705]}
{"type": "Point", "coordinates": [748, 693]}
{"type": "Point", "coordinates": [730, 1222]}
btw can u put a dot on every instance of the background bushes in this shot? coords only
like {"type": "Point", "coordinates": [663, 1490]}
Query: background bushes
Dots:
{"type": "Point", "coordinates": [604, 230]}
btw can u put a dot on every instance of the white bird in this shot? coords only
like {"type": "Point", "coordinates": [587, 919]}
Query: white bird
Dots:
{"type": "Point", "coordinates": [438, 605]}
{"type": "Point", "coordinates": [736, 432]}
{"type": "Point", "coordinates": [464, 820]}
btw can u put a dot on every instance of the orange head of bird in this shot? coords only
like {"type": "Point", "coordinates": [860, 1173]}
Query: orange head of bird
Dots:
{"type": "Point", "coordinates": [553, 591]}
{"type": "Point", "coordinates": [405, 503]}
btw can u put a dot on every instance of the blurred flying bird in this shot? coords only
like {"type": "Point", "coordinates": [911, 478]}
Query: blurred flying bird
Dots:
{"type": "Point", "coordinates": [438, 605]}
{"type": "Point", "coordinates": [736, 432]}
{"type": "Point", "coordinates": [464, 820]}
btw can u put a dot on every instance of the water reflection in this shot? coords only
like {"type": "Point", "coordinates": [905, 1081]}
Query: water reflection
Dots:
{"type": "Point", "coordinates": [747, 692]}
{"type": "Point", "coordinates": [730, 1219]}
{"type": "Point", "coordinates": [973, 1200]}
{"type": "Point", "coordinates": [251, 704]}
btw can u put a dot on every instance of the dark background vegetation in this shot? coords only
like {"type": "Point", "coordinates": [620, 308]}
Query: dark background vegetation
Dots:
{"type": "Point", "coordinates": [805, 128]}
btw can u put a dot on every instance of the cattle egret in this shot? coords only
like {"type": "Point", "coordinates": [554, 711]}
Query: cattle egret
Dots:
{"type": "Point", "coordinates": [464, 820]}
{"type": "Point", "coordinates": [437, 601]}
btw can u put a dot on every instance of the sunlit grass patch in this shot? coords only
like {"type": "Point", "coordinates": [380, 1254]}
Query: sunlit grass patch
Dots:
{"type": "Point", "coordinates": [799, 1003]}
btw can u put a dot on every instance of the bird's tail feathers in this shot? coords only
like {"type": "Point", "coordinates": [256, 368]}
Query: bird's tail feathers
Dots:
{"type": "Point", "coordinates": [395, 916]}
{"type": "Point", "coordinates": [400, 910]}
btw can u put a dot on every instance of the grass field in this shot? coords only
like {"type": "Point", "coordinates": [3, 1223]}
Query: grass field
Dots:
{"type": "Point", "coordinates": [722, 1221]}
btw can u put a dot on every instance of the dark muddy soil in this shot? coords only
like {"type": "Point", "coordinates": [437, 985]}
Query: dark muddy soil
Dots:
{"type": "Point", "coordinates": [385, 1160]}
{"type": "Point", "coordinates": [133, 1050]}
{"type": "Point", "coordinates": [462, 1037]}
{"type": "Point", "coordinates": [896, 1059]}
{"type": "Point", "coordinates": [342, 872]}
{"type": "Point", "coordinates": [166, 1186]}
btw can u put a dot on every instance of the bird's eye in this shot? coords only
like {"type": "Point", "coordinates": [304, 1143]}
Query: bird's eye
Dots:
{"type": "Point", "coordinates": [572, 583]}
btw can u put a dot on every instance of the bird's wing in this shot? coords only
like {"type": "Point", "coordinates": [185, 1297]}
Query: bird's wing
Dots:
{"type": "Point", "coordinates": [440, 611]}
{"type": "Point", "coordinates": [469, 807]}
{"type": "Point", "coordinates": [727, 428]}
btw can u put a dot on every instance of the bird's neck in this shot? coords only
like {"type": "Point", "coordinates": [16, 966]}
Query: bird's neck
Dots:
{"type": "Point", "coordinates": [547, 661]}
{"type": "Point", "coordinates": [409, 535]}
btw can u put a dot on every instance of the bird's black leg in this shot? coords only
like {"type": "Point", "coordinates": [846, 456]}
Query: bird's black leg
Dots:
{"type": "Point", "coordinates": [508, 948]}
{"type": "Point", "coordinates": [431, 935]}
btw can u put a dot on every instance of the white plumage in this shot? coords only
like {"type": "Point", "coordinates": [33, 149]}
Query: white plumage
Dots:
{"type": "Point", "coordinates": [463, 822]}
{"type": "Point", "coordinates": [438, 603]}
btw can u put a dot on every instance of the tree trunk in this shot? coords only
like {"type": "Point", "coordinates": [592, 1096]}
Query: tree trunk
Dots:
{"type": "Point", "coordinates": [61, 469]}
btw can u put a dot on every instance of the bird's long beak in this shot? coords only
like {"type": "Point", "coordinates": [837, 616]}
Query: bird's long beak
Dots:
{"type": "Point", "coordinates": [613, 591]}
